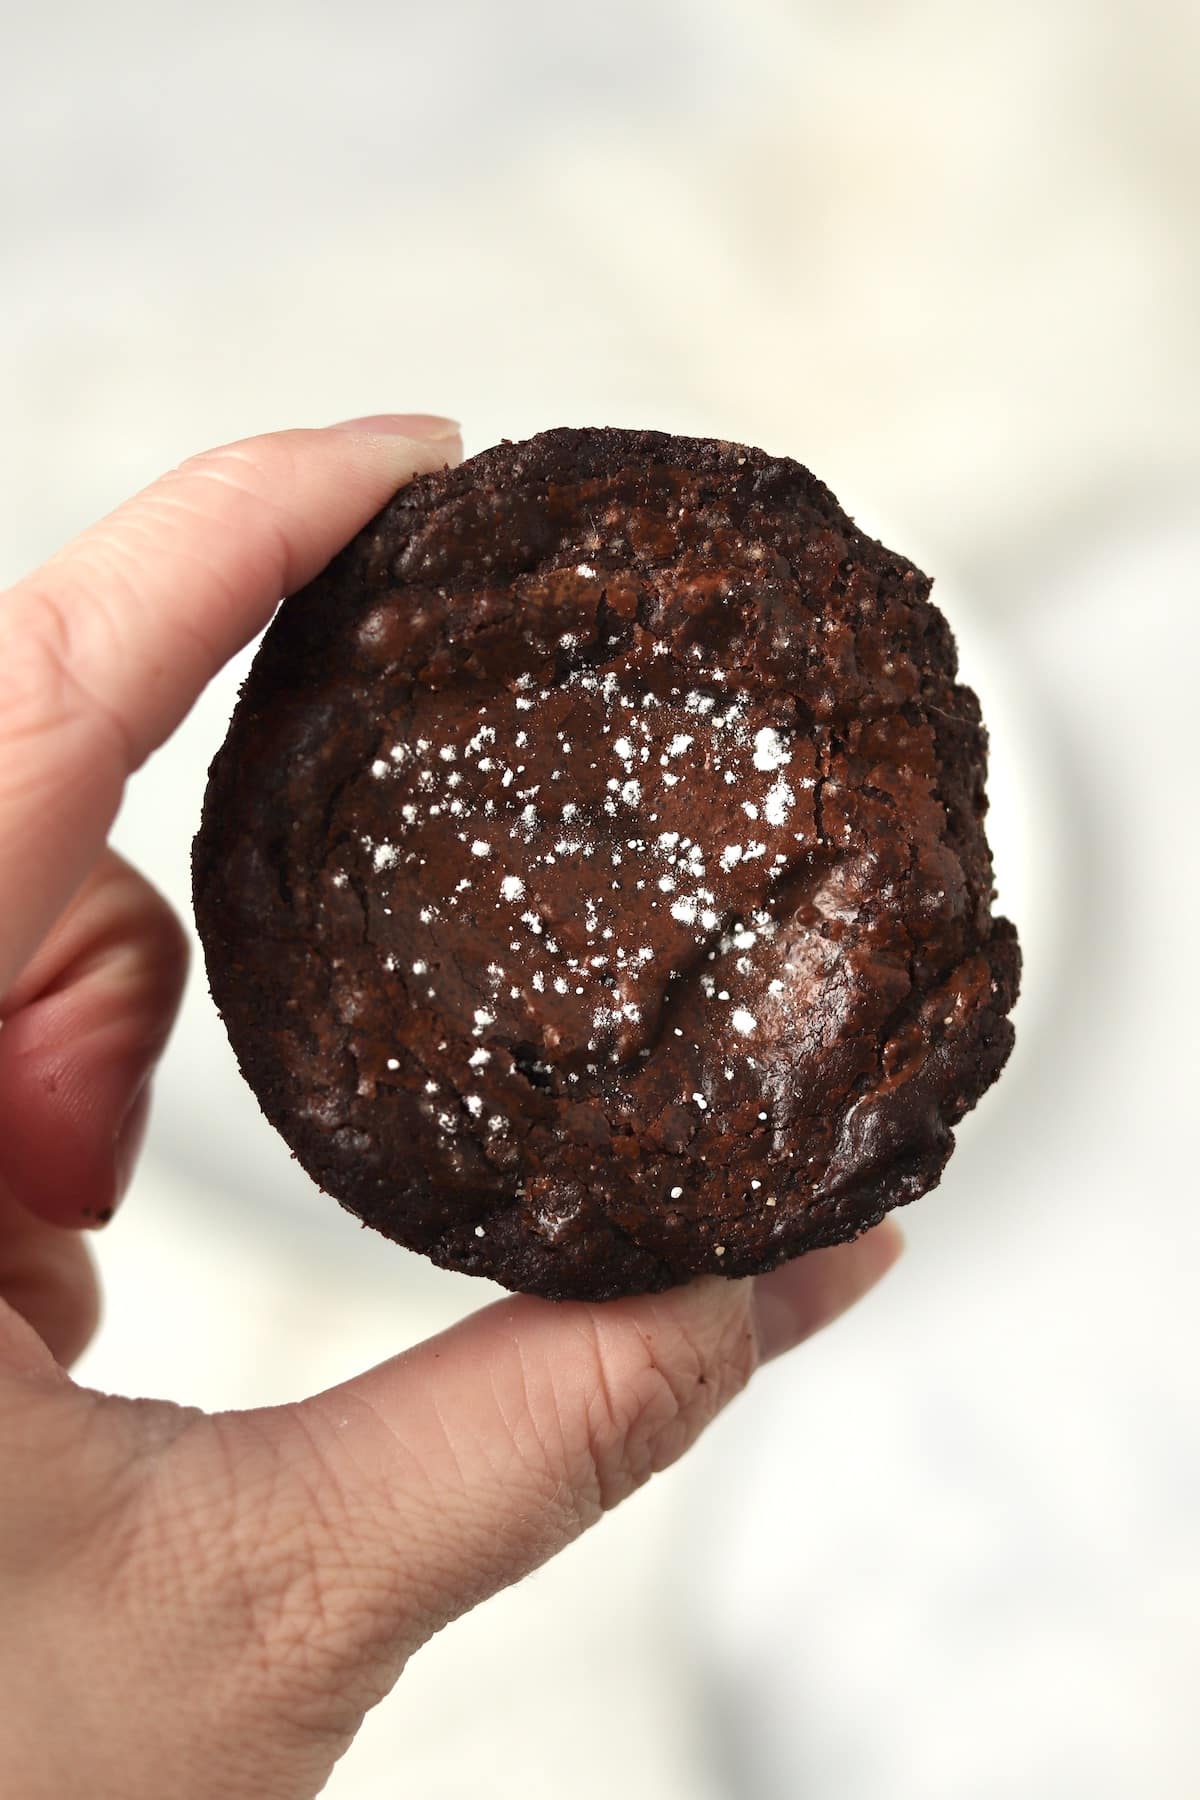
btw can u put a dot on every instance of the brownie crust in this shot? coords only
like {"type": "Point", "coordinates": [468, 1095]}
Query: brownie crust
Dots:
{"type": "Point", "coordinates": [593, 881]}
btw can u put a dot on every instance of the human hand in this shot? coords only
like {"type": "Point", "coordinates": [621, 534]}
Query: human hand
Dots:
{"type": "Point", "coordinates": [207, 1606]}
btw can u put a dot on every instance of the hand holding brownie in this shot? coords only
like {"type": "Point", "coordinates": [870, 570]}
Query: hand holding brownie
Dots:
{"type": "Point", "coordinates": [214, 1602]}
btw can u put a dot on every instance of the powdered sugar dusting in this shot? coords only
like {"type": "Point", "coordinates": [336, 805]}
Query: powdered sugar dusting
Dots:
{"type": "Point", "coordinates": [770, 749]}
{"type": "Point", "coordinates": [558, 810]}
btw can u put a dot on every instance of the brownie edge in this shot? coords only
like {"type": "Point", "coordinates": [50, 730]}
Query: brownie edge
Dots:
{"type": "Point", "coordinates": [593, 880]}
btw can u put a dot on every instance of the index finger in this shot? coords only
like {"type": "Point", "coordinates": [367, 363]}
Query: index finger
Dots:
{"type": "Point", "coordinates": [104, 649]}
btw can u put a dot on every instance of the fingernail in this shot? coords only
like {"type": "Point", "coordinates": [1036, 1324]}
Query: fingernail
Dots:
{"type": "Point", "coordinates": [793, 1302]}
{"type": "Point", "coordinates": [127, 1146]}
{"type": "Point", "coordinates": [427, 427]}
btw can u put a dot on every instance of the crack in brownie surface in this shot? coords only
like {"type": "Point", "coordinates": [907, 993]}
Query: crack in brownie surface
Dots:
{"type": "Point", "coordinates": [593, 881]}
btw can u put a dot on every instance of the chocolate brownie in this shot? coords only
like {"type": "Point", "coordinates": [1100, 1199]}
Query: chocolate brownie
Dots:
{"type": "Point", "coordinates": [593, 880]}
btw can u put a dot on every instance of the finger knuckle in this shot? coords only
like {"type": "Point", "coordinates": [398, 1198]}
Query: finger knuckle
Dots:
{"type": "Point", "coordinates": [652, 1390]}
{"type": "Point", "coordinates": [248, 481]}
{"type": "Point", "coordinates": [41, 690]}
{"type": "Point", "coordinates": [230, 465]}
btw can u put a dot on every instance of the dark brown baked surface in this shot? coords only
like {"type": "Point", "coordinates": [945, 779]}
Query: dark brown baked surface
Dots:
{"type": "Point", "coordinates": [593, 881]}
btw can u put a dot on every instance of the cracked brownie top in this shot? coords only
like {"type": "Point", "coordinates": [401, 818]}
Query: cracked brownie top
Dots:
{"type": "Point", "coordinates": [593, 881]}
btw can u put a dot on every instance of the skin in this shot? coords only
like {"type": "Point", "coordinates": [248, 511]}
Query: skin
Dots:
{"type": "Point", "coordinates": [214, 1602]}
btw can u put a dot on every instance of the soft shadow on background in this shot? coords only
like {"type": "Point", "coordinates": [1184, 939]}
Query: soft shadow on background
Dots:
{"type": "Point", "coordinates": [950, 257]}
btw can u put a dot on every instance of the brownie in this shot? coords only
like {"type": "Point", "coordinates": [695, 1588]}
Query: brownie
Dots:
{"type": "Point", "coordinates": [593, 880]}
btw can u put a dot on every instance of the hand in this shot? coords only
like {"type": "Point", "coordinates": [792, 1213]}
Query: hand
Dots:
{"type": "Point", "coordinates": [207, 1606]}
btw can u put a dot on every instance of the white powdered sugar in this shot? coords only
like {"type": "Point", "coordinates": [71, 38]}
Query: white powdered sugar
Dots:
{"type": "Point", "coordinates": [770, 750]}
{"type": "Point", "coordinates": [559, 797]}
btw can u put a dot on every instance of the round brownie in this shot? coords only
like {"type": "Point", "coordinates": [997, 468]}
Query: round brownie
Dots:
{"type": "Point", "coordinates": [593, 880]}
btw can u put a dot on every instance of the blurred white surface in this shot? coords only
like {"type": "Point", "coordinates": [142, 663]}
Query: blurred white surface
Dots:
{"type": "Point", "coordinates": [949, 257]}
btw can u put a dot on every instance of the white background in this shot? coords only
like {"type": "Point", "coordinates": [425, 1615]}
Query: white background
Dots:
{"type": "Point", "coordinates": [950, 256]}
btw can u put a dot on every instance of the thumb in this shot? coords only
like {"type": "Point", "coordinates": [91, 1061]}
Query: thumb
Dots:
{"type": "Point", "coordinates": [420, 1488]}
